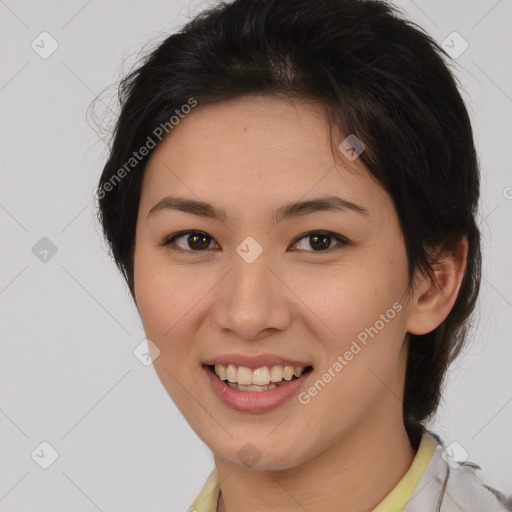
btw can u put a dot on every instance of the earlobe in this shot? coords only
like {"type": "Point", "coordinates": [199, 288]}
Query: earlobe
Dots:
{"type": "Point", "coordinates": [435, 295]}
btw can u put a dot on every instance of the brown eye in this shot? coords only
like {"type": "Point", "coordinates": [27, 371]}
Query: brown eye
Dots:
{"type": "Point", "coordinates": [198, 241]}
{"type": "Point", "coordinates": [191, 241]}
{"type": "Point", "coordinates": [320, 241]}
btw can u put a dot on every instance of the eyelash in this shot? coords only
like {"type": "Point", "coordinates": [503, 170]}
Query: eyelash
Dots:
{"type": "Point", "coordinates": [171, 238]}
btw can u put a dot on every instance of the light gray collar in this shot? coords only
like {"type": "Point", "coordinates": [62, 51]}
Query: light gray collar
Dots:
{"type": "Point", "coordinates": [448, 486]}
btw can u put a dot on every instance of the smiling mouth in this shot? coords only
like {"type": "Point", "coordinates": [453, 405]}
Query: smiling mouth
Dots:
{"type": "Point", "coordinates": [259, 387]}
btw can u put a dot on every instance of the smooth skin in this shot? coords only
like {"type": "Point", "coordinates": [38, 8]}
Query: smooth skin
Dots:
{"type": "Point", "coordinates": [347, 448]}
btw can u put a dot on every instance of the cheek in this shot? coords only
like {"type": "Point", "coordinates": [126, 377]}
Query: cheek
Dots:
{"type": "Point", "coordinates": [164, 299]}
{"type": "Point", "coordinates": [353, 295]}
{"type": "Point", "coordinates": [165, 303]}
{"type": "Point", "coordinates": [360, 362]}
{"type": "Point", "coordinates": [362, 305]}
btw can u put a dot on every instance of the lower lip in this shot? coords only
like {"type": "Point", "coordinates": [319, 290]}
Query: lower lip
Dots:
{"type": "Point", "coordinates": [254, 401]}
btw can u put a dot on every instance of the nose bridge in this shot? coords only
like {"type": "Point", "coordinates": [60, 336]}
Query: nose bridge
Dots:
{"type": "Point", "coordinates": [249, 301]}
{"type": "Point", "coordinates": [251, 277]}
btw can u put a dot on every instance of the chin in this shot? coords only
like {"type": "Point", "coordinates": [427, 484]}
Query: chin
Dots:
{"type": "Point", "coordinates": [260, 456]}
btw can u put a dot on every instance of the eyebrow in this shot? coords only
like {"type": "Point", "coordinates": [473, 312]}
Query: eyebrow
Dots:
{"type": "Point", "coordinates": [203, 209]}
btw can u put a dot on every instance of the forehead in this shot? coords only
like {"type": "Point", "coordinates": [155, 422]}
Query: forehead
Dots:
{"type": "Point", "coordinates": [256, 149]}
{"type": "Point", "coordinates": [248, 127]}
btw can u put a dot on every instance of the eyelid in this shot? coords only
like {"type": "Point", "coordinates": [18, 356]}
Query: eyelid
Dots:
{"type": "Point", "coordinates": [171, 238]}
{"type": "Point", "coordinates": [342, 241]}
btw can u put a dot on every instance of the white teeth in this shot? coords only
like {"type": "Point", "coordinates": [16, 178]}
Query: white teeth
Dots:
{"type": "Point", "coordinates": [276, 374]}
{"type": "Point", "coordinates": [221, 372]}
{"type": "Point", "coordinates": [251, 388]}
{"type": "Point", "coordinates": [260, 376]}
{"type": "Point", "coordinates": [263, 376]}
{"type": "Point", "coordinates": [288, 373]}
{"type": "Point", "coordinates": [244, 376]}
{"type": "Point", "coordinates": [231, 373]}
{"type": "Point", "coordinates": [298, 371]}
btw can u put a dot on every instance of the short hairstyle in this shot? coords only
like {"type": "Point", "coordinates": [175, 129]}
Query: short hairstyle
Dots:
{"type": "Point", "coordinates": [379, 76]}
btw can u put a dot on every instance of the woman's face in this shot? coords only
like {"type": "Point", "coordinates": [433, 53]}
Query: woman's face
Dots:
{"type": "Point", "coordinates": [252, 284]}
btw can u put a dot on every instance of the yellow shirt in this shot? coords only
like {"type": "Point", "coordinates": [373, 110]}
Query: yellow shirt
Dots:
{"type": "Point", "coordinates": [395, 501]}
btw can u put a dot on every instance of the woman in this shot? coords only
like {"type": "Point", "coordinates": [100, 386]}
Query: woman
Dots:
{"type": "Point", "coordinates": [291, 196]}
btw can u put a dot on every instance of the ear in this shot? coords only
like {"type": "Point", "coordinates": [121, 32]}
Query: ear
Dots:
{"type": "Point", "coordinates": [434, 296]}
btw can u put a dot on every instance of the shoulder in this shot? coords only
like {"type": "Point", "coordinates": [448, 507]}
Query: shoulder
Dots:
{"type": "Point", "coordinates": [466, 490]}
{"type": "Point", "coordinates": [448, 486]}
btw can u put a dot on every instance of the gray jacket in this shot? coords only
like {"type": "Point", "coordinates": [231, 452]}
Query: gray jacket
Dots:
{"type": "Point", "coordinates": [446, 486]}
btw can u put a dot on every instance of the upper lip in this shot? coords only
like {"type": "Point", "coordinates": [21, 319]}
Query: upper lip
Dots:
{"type": "Point", "coordinates": [254, 362]}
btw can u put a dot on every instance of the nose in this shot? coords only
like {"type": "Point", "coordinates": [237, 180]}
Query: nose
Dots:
{"type": "Point", "coordinates": [252, 301]}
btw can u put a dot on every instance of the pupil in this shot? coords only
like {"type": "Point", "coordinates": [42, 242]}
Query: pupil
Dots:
{"type": "Point", "coordinates": [192, 239]}
{"type": "Point", "coordinates": [325, 241]}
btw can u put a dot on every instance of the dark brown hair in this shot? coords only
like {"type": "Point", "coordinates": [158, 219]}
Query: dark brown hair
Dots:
{"type": "Point", "coordinates": [379, 76]}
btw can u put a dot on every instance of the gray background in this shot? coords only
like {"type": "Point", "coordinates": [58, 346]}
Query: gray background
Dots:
{"type": "Point", "coordinates": [68, 375]}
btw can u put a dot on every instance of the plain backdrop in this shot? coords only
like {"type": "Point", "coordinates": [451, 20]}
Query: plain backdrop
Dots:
{"type": "Point", "coordinates": [68, 374]}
